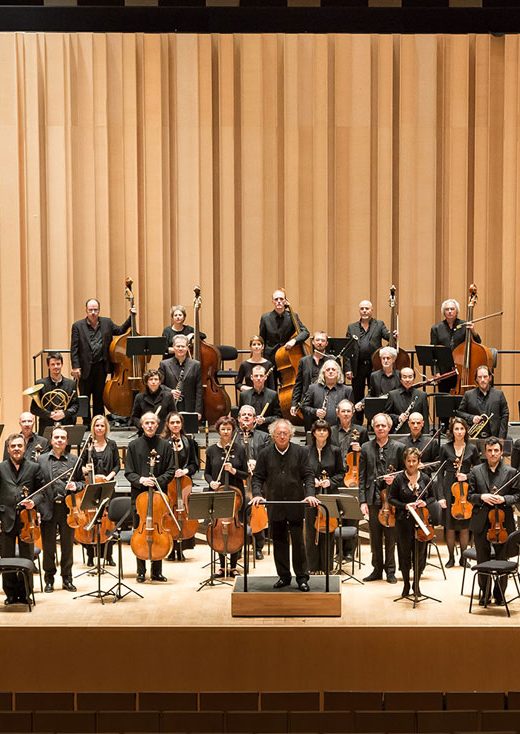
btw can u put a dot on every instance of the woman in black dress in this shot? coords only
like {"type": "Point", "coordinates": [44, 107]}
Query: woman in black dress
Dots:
{"type": "Point", "coordinates": [244, 381]}
{"type": "Point", "coordinates": [461, 456]}
{"type": "Point", "coordinates": [327, 464]}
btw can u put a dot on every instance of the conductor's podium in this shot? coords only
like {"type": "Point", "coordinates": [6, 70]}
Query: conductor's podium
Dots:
{"type": "Point", "coordinates": [262, 600]}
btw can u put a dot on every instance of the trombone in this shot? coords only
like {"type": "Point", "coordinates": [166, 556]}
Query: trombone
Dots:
{"type": "Point", "coordinates": [476, 428]}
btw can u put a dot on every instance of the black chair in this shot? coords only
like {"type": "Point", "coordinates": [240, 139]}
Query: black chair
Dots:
{"type": "Point", "coordinates": [37, 562]}
{"type": "Point", "coordinates": [228, 376]}
{"type": "Point", "coordinates": [494, 570]}
{"type": "Point", "coordinates": [26, 568]}
{"type": "Point", "coordinates": [470, 554]}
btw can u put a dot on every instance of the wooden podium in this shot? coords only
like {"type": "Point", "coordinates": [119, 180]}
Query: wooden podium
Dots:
{"type": "Point", "coordinates": [261, 600]}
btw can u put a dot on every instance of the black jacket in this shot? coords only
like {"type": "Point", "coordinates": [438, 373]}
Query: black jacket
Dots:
{"type": "Point", "coordinates": [11, 483]}
{"type": "Point", "coordinates": [369, 487]}
{"type": "Point", "coordinates": [377, 331]}
{"type": "Point", "coordinates": [399, 401]}
{"type": "Point", "coordinates": [495, 402]}
{"type": "Point", "coordinates": [161, 400]}
{"type": "Point", "coordinates": [276, 332]}
{"type": "Point", "coordinates": [191, 385]}
{"type": "Point", "coordinates": [480, 482]}
{"type": "Point", "coordinates": [44, 416]}
{"type": "Point", "coordinates": [80, 351]}
{"type": "Point", "coordinates": [284, 477]}
{"type": "Point", "coordinates": [258, 400]}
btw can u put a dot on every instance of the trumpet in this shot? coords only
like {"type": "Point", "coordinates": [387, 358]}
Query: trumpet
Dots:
{"type": "Point", "coordinates": [56, 399]}
{"type": "Point", "coordinates": [476, 429]}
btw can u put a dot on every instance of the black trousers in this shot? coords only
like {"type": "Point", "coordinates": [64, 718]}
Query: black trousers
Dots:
{"type": "Point", "coordinates": [94, 386]}
{"type": "Point", "coordinates": [49, 529]}
{"type": "Point", "coordinates": [483, 548]}
{"type": "Point", "coordinates": [281, 530]}
{"type": "Point", "coordinates": [406, 548]}
{"type": "Point", "coordinates": [380, 535]}
{"type": "Point", "coordinates": [12, 583]}
{"type": "Point", "coordinates": [156, 569]}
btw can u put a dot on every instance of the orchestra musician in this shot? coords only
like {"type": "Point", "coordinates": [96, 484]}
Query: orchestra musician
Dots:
{"type": "Point", "coordinates": [341, 434]}
{"type": "Point", "coordinates": [252, 441]}
{"type": "Point", "coordinates": [483, 401]}
{"type": "Point", "coordinates": [327, 467]}
{"type": "Point", "coordinates": [323, 396]}
{"type": "Point", "coordinates": [226, 465]}
{"type": "Point", "coordinates": [64, 414]}
{"type": "Point", "coordinates": [377, 456]}
{"type": "Point", "coordinates": [106, 465]}
{"type": "Point", "coordinates": [265, 401]}
{"type": "Point", "coordinates": [90, 342]}
{"type": "Point", "coordinates": [32, 440]}
{"type": "Point", "coordinates": [243, 380]}
{"type": "Point", "coordinates": [138, 473]}
{"type": "Point", "coordinates": [387, 378]}
{"type": "Point", "coordinates": [405, 491]}
{"type": "Point", "coordinates": [283, 472]}
{"type": "Point", "coordinates": [309, 368]}
{"type": "Point", "coordinates": [485, 481]}
{"type": "Point", "coordinates": [16, 472]}
{"type": "Point", "coordinates": [178, 326]}
{"type": "Point", "coordinates": [53, 509]}
{"type": "Point", "coordinates": [461, 457]}
{"type": "Point", "coordinates": [277, 329]}
{"type": "Point", "coordinates": [401, 400]}
{"type": "Point", "coordinates": [187, 455]}
{"type": "Point", "coordinates": [418, 439]}
{"type": "Point", "coordinates": [156, 398]}
{"type": "Point", "coordinates": [182, 375]}
{"type": "Point", "coordinates": [446, 334]}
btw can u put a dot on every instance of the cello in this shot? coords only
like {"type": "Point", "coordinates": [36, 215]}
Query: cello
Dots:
{"type": "Point", "coordinates": [216, 400]}
{"type": "Point", "coordinates": [403, 358]}
{"type": "Point", "coordinates": [150, 540]}
{"type": "Point", "coordinates": [185, 528]}
{"type": "Point", "coordinates": [469, 355]}
{"type": "Point", "coordinates": [127, 379]}
{"type": "Point", "coordinates": [226, 535]}
{"type": "Point", "coordinates": [287, 361]}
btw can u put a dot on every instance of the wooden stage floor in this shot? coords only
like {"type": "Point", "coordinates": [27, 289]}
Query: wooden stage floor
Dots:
{"type": "Point", "coordinates": [179, 639]}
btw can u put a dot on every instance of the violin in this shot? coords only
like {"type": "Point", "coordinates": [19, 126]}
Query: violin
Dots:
{"type": "Point", "coordinates": [150, 540]}
{"type": "Point", "coordinates": [226, 535]}
{"type": "Point", "coordinates": [386, 514]}
{"type": "Point", "coordinates": [461, 509]}
{"type": "Point", "coordinates": [497, 532]}
{"type": "Point", "coordinates": [184, 528]}
{"type": "Point", "coordinates": [287, 361]}
{"type": "Point", "coordinates": [30, 531]}
{"type": "Point", "coordinates": [258, 519]}
{"type": "Point", "coordinates": [77, 517]}
{"type": "Point", "coordinates": [420, 534]}
{"type": "Point", "coordinates": [320, 524]}
{"type": "Point", "coordinates": [351, 478]}
{"type": "Point", "coordinates": [403, 358]}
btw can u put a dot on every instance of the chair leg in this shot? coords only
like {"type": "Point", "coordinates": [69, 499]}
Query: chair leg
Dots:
{"type": "Point", "coordinates": [463, 578]}
{"type": "Point", "coordinates": [39, 566]}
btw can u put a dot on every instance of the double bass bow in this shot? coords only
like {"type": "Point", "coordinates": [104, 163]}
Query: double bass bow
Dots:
{"type": "Point", "coordinates": [403, 358]}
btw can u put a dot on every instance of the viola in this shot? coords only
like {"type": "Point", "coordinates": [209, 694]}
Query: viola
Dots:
{"type": "Point", "coordinates": [351, 478]}
{"type": "Point", "coordinates": [287, 361]}
{"type": "Point", "coordinates": [497, 532]}
{"type": "Point", "coordinates": [403, 358]}
{"type": "Point", "coordinates": [77, 517]}
{"type": "Point", "coordinates": [150, 540]}
{"type": "Point", "coordinates": [420, 534]}
{"type": "Point", "coordinates": [184, 528]}
{"type": "Point", "coordinates": [461, 509]}
{"type": "Point", "coordinates": [226, 535]}
{"type": "Point", "coordinates": [386, 514]}
{"type": "Point", "coordinates": [30, 531]}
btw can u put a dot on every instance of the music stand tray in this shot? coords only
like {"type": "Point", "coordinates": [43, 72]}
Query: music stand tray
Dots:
{"type": "Point", "coordinates": [74, 434]}
{"type": "Point", "coordinates": [191, 422]}
{"type": "Point", "coordinates": [446, 405]}
{"type": "Point", "coordinates": [147, 345]}
{"type": "Point", "coordinates": [435, 355]}
{"type": "Point", "coordinates": [211, 506]}
{"type": "Point", "coordinates": [373, 406]}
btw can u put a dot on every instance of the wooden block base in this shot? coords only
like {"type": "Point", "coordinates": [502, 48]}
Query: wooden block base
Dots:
{"type": "Point", "coordinates": [261, 600]}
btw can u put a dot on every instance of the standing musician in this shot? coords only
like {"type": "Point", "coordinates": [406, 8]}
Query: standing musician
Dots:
{"type": "Point", "coordinates": [226, 466]}
{"type": "Point", "coordinates": [387, 378]}
{"type": "Point", "coordinates": [461, 456]}
{"type": "Point", "coordinates": [244, 381]}
{"type": "Point", "coordinates": [16, 473]}
{"type": "Point", "coordinates": [252, 441]}
{"type": "Point", "coordinates": [90, 342]}
{"type": "Point", "coordinates": [265, 401]}
{"type": "Point", "coordinates": [156, 398]}
{"type": "Point", "coordinates": [369, 332]}
{"type": "Point", "coordinates": [283, 472]}
{"type": "Point", "coordinates": [138, 473]}
{"type": "Point", "coordinates": [309, 368]}
{"type": "Point", "coordinates": [418, 439]}
{"type": "Point", "coordinates": [446, 334]}
{"type": "Point", "coordinates": [377, 456]}
{"type": "Point", "coordinates": [484, 401]}
{"type": "Point", "coordinates": [327, 467]}
{"type": "Point", "coordinates": [277, 329]}
{"type": "Point", "coordinates": [323, 396]}
{"type": "Point", "coordinates": [105, 466]}
{"type": "Point", "coordinates": [53, 509]}
{"type": "Point", "coordinates": [178, 326]}
{"type": "Point", "coordinates": [341, 435]}
{"type": "Point", "coordinates": [485, 494]}
{"type": "Point", "coordinates": [187, 455]}
{"type": "Point", "coordinates": [32, 440]}
{"type": "Point", "coordinates": [57, 408]}
{"type": "Point", "coordinates": [400, 402]}
{"type": "Point", "coordinates": [405, 491]}
{"type": "Point", "coordinates": [182, 375]}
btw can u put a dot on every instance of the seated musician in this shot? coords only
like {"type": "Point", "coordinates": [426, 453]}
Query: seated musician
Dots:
{"type": "Point", "coordinates": [177, 326]}
{"type": "Point", "coordinates": [139, 474]}
{"type": "Point", "coordinates": [309, 368]}
{"type": "Point", "coordinates": [62, 407]}
{"type": "Point", "coordinates": [277, 329]}
{"type": "Point", "coordinates": [323, 396]}
{"type": "Point", "coordinates": [244, 381]}
{"type": "Point", "coordinates": [34, 443]}
{"type": "Point", "coordinates": [387, 378]}
{"type": "Point", "coordinates": [485, 494]}
{"type": "Point", "coordinates": [182, 375]}
{"type": "Point", "coordinates": [483, 401]}
{"type": "Point", "coordinates": [410, 490]}
{"type": "Point", "coordinates": [404, 400]}
{"type": "Point", "coordinates": [53, 509]}
{"type": "Point", "coordinates": [16, 472]}
{"type": "Point", "coordinates": [265, 401]}
{"type": "Point", "coordinates": [156, 398]}
{"type": "Point", "coordinates": [446, 333]}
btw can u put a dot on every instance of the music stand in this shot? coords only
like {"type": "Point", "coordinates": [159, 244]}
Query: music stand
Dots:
{"type": "Point", "coordinates": [74, 434]}
{"type": "Point", "coordinates": [416, 597]}
{"type": "Point", "coordinates": [350, 510]}
{"type": "Point", "coordinates": [436, 356]}
{"type": "Point", "coordinates": [211, 506]}
{"type": "Point", "coordinates": [96, 498]}
{"type": "Point", "coordinates": [147, 345]}
{"type": "Point", "coordinates": [373, 406]}
{"type": "Point", "coordinates": [446, 405]}
{"type": "Point", "coordinates": [191, 422]}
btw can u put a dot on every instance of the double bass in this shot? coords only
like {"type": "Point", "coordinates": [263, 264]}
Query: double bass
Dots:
{"type": "Point", "coordinates": [216, 400]}
{"type": "Point", "coordinates": [469, 355]}
{"type": "Point", "coordinates": [127, 379]}
{"type": "Point", "coordinates": [403, 358]}
{"type": "Point", "coordinates": [287, 361]}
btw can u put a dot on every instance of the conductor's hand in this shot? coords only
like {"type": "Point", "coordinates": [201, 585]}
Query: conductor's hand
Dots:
{"type": "Point", "coordinates": [312, 501]}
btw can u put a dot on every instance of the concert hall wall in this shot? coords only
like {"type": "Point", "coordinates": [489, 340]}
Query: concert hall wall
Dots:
{"type": "Point", "coordinates": [333, 165]}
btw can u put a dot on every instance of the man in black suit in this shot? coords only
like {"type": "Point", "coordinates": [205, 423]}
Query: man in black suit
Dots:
{"type": "Point", "coordinates": [449, 333]}
{"type": "Point", "coordinates": [90, 352]}
{"type": "Point", "coordinates": [283, 472]}
{"type": "Point", "coordinates": [60, 407]}
{"type": "Point", "coordinates": [182, 375]}
{"type": "Point", "coordinates": [277, 329]}
{"type": "Point", "coordinates": [405, 400]}
{"type": "Point", "coordinates": [265, 401]}
{"type": "Point", "coordinates": [32, 440]}
{"type": "Point", "coordinates": [387, 378]}
{"type": "Point", "coordinates": [309, 368]}
{"type": "Point", "coordinates": [485, 481]}
{"type": "Point", "coordinates": [369, 332]}
{"type": "Point", "coordinates": [418, 439]}
{"type": "Point", "coordinates": [323, 396]}
{"type": "Point", "coordinates": [485, 400]}
{"type": "Point", "coordinates": [341, 435]}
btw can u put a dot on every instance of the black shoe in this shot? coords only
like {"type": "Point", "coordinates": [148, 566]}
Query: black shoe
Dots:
{"type": "Point", "coordinates": [451, 562]}
{"type": "Point", "coordinates": [303, 586]}
{"type": "Point", "coordinates": [90, 562]}
{"type": "Point", "coordinates": [49, 587]}
{"type": "Point", "coordinates": [68, 585]}
{"type": "Point", "coordinates": [374, 576]}
{"type": "Point", "coordinates": [171, 557]}
{"type": "Point", "coordinates": [259, 555]}
{"type": "Point", "coordinates": [10, 600]}
{"type": "Point", "coordinates": [180, 556]}
{"type": "Point", "coordinates": [140, 578]}
{"type": "Point", "coordinates": [499, 603]}
{"type": "Point", "coordinates": [281, 583]}
{"type": "Point", "coordinates": [159, 577]}
{"type": "Point", "coordinates": [390, 578]}
{"type": "Point", "coordinates": [462, 562]}
{"type": "Point", "coordinates": [110, 562]}
{"type": "Point", "coordinates": [406, 590]}
{"type": "Point", "coordinates": [483, 602]}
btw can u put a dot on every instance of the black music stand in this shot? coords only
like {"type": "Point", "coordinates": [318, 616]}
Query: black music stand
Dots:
{"type": "Point", "coordinates": [147, 345]}
{"type": "Point", "coordinates": [74, 434]}
{"type": "Point", "coordinates": [446, 405]}
{"type": "Point", "coordinates": [337, 348]}
{"type": "Point", "coordinates": [191, 422]}
{"type": "Point", "coordinates": [97, 497]}
{"type": "Point", "coordinates": [436, 356]}
{"type": "Point", "coordinates": [347, 508]}
{"type": "Point", "coordinates": [373, 406]}
{"type": "Point", "coordinates": [211, 506]}
{"type": "Point", "coordinates": [415, 597]}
